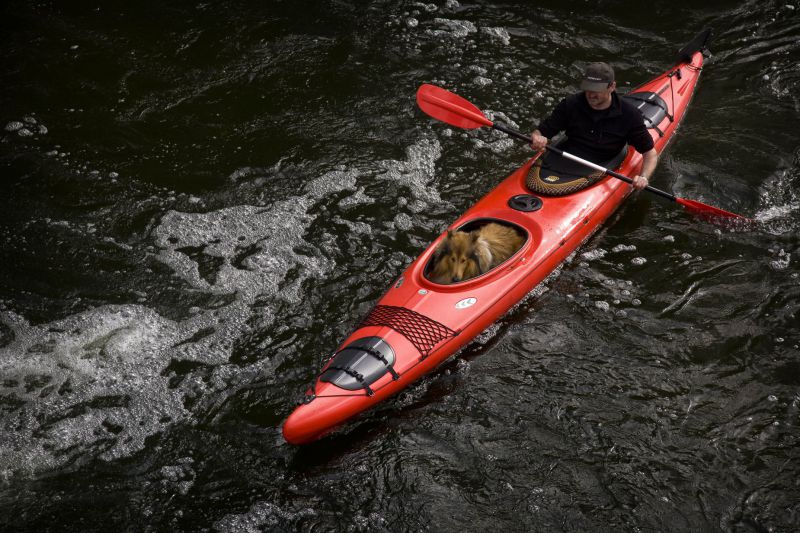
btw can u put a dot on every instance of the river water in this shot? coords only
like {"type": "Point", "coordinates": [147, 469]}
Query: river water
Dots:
{"type": "Point", "coordinates": [198, 201]}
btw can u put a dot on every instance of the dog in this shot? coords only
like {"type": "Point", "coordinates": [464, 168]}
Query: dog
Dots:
{"type": "Point", "coordinates": [462, 255]}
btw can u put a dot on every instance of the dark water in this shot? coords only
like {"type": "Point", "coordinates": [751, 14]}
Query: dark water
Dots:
{"type": "Point", "coordinates": [200, 200]}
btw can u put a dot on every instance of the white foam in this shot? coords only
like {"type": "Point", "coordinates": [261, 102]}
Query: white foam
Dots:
{"type": "Point", "coordinates": [418, 173]}
{"type": "Point", "coordinates": [455, 28]}
{"type": "Point", "coordinates": [180, 476]}
{"type": "Point", "coordinates": [93, 371]}
{"type": "Point", "coordinates": [502, 117]}
{"type": "Point", "coordinates": [403, 222]}
{"type": "Point", "coordinates": [488, 334]}
{"type": "Point", "coordinates": [780, 203]}
{"type": "Point", "coordinates": [779, 219]}
{"type": "Point", "coordinates": [499, 146]}
{"type": "Point", "coordinates": [261, 516]}
{"type": "Point", "coordinates": [498, 34]}
{"type": "Point", "coordinates": [782, 262]}
{"type": "Point", "coordinates": [268, 235]}
{"type": "Point", "coordinates": [355, 199]}
{"type": "Point", "coordinates": [29, 126]}
{"type": "Point", "coordinates": [624, 248]}
{"type": "Point", "coordinates": [593, 255]}
{"type": "Point", "coordinates": [98, 383]}
{"type": "Point", "coordinates": [273, 233]}
{"type": "Point", "coordinates": [356, 228]}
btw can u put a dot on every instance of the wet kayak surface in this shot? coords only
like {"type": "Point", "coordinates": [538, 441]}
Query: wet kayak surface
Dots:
{"type": "Point", "coordinates": [200, 201]}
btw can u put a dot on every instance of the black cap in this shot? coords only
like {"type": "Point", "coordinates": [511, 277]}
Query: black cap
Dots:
{"type": "Point", "coordinates": [597, 77]}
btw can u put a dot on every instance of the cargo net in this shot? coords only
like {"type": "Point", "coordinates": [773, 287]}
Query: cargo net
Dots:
{"type": "Point", "coordinates": [423, 332]}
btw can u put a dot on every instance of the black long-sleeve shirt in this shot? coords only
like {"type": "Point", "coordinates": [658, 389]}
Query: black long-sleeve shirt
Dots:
{"type": "Point", "coordinates": [597, 135]}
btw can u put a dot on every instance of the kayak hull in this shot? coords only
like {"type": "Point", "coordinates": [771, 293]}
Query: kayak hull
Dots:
{"type": "Point", "coordinates": [418, 324]}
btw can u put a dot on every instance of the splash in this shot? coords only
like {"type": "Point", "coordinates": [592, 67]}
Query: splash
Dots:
{"type": "Point", "coordinates": [780, 203]}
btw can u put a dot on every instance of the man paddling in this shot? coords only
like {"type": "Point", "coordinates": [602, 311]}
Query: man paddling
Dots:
{"type": "Point", "coordinates": [598, 124]}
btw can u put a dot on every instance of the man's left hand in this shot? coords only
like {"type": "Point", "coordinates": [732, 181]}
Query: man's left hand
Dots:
{"type": "Point", "coordinates": [640, 182]}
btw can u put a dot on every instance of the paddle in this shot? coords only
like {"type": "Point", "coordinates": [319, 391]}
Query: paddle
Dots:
{"type": "Point", "coordinates": [443, 105]}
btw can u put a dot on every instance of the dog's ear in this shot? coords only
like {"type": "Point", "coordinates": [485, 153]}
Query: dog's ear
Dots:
{"type": "Point", "coordinates": [444, 247]}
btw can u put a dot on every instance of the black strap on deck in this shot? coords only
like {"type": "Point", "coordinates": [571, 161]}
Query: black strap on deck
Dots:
{"type": "Point", "coordinates": [358, 377]}
{"type": "Point", "coordinates": [377, 355]}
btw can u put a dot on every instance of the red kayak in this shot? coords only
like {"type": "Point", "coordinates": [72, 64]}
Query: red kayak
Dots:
{"type": "Point", "coordinates": [418, 323]}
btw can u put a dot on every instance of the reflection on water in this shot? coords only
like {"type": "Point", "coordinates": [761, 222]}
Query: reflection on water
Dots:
{"type": "Point", "coordinates": [200, 202]}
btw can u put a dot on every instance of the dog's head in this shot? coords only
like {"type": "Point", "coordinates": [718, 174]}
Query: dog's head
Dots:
{"type": "Point", "coordinates": [456, 258]}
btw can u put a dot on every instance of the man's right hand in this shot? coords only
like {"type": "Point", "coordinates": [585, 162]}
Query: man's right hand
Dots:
{"type": "Point", "coordinates": [538, 141]}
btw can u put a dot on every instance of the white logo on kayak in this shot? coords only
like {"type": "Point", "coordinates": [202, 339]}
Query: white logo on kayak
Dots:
{"type": "Point", "coordinates": [466, 302]}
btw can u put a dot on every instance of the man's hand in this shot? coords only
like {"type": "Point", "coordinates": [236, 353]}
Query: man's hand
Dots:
{"type": "Point", "coordinates": [640, 182]}
{"type": "Point", "coordinates": [538, 141]}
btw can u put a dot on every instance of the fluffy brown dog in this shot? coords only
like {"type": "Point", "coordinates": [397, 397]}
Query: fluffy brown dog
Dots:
{"type": "Point", "coordinates": [462, 255]}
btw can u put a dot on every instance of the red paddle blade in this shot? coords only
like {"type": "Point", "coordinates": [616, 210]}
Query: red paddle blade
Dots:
{"type": "Point", "coordinates": [713, 213]}
{"type": "Point", "coordinates": [443, 105]}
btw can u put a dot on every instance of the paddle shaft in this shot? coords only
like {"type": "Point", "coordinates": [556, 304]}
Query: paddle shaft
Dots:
{"type": "Point", "coordinates": [562, 153]}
